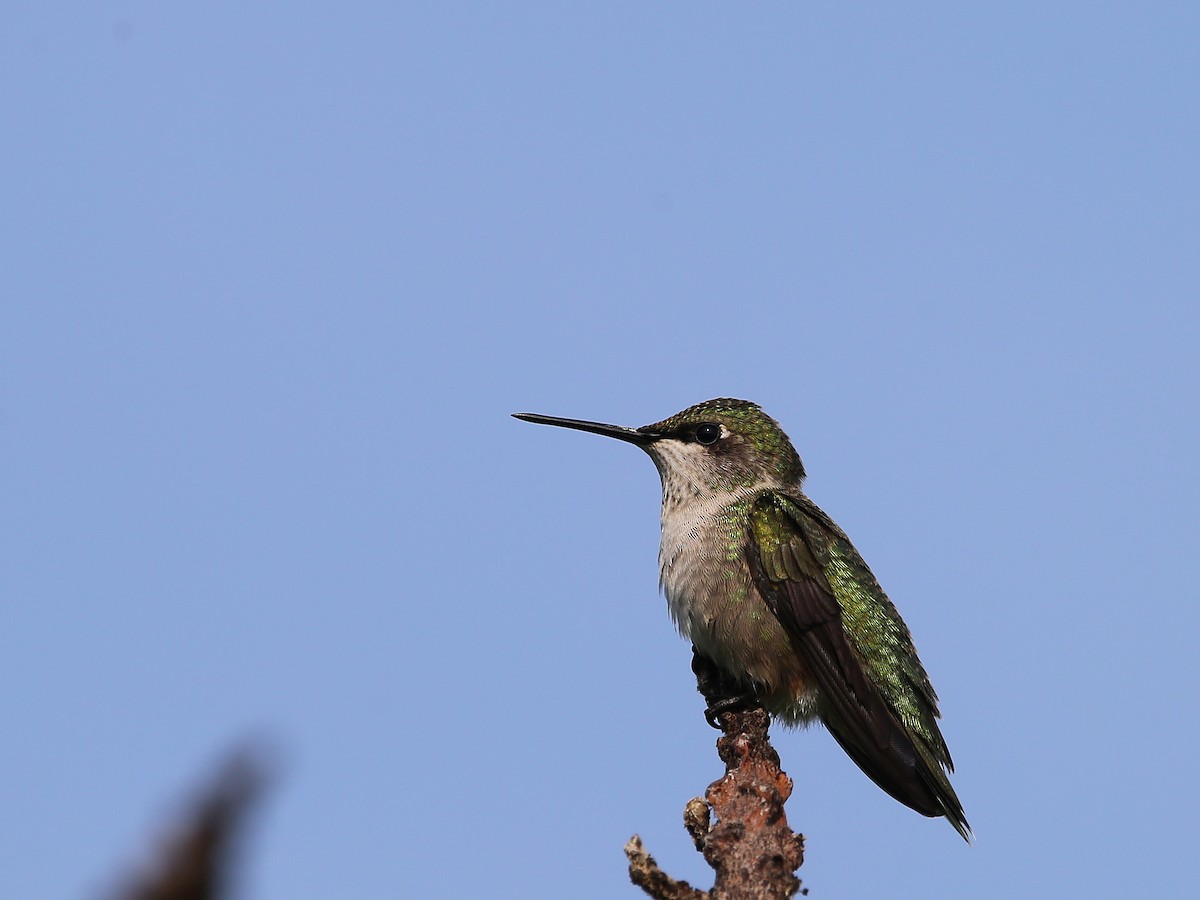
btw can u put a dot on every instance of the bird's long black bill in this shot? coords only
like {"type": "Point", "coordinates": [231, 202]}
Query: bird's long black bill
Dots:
{"type": "Point", "coordinates": [620, 432]}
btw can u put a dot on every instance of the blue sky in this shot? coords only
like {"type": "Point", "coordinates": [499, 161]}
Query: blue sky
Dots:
{"type": "Point", "coordinates": [275, 275]}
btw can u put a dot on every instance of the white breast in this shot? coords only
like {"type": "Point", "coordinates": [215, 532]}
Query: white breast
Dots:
{"type": "Point", "coordinates": [688, 573]}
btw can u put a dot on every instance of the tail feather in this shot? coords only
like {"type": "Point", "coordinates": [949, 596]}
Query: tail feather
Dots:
{"type": "Point", "coordinates": [908, 775]}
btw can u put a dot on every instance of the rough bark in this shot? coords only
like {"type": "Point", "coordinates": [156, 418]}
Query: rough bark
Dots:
{"type": "Point", "coordinates": [740, 826]}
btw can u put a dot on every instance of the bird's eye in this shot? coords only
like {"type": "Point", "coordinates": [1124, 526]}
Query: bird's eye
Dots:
{"type": "Point", "coordinates": [708, 432]}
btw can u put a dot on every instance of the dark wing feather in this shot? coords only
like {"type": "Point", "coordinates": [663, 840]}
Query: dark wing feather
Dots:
{"type": "Point", "coordinates": [789, 572]}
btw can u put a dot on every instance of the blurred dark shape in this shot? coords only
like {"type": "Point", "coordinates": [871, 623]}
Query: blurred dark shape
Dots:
{"type": "Point", "coordinates": [198, 855]}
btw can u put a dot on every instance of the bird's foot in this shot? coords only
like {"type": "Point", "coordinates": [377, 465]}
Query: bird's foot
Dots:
{"type": "Point", "coordinates": [723, 693]}
{"type": "Point", "coordinates": [743, 703]}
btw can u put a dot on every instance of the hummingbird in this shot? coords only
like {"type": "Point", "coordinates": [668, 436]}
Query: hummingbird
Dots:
{"type": "Point", "coordinates": [770, 589]}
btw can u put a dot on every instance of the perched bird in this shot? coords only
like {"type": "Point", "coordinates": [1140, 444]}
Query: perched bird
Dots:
{"type": "Point", "coordinates": [771, 590]}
